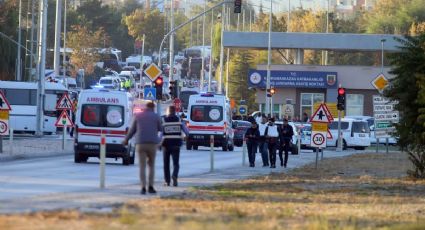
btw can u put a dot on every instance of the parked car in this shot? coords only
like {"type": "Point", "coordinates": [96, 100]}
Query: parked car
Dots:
{"type": "Point", "coordinates": [355, 134]}
{"type": "Point", "coordinates": [109, 82]}
{"type": "Point", "coordinates": [239, 129]}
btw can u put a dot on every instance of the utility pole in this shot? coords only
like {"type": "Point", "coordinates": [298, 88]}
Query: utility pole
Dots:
{"type": "Point", "coordinates": [171, 72]}
{"type": "Point", "coordinates": [32, 40]}
{"type": "Point", "coordinates": [65, 79]}
{"type": "Point", "coordinates": [201, 84]}
{"type": "Point", "coordinates": [269, 57]}
{"type": "Point", "coordinates": [41, 63]}
{"type": "Point", "coordinates": [220, 80]}
{"type": "Point", "coordinates": [56, 57]}
{"type": "Point", "coordinates": [211, 53]}
{"type": "Point", "coordinates": [19, 62]}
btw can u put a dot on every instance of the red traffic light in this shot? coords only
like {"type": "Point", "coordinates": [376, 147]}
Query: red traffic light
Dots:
{"type": "Point", "coordinates": [272, 91]}
{"type": "Point", "coordinates": [159, 81]}
{"type": "Point", "coordinates": [341, 91]}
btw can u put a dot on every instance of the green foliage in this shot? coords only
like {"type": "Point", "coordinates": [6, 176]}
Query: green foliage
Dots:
{"type": "Point", "coordinates": [8, 25]}
{"type": "Point", "coordinates": [408, 88]}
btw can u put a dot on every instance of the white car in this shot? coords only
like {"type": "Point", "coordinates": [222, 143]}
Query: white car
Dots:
{"type": "Point", "coordinates": [355, 134]}
{"type": "Point", "coordinates": [109, 82]}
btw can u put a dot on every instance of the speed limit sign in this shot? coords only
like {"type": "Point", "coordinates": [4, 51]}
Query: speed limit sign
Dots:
{"type": "Point", "coordinates": [318, 139]}
{"type": "Point", "coordinates": [4, 127]}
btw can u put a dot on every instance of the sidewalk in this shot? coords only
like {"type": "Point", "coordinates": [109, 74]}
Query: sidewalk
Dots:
{"type": "Point", "coordinates": [35, 147]}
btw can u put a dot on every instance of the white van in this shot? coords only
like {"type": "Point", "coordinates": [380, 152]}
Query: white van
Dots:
{"type": "Point", "coordinates": [355, 133]}
{"type": "Point", "coordinates": [209, 114]}
{"type": "Point", "coordinates": [103, 111]}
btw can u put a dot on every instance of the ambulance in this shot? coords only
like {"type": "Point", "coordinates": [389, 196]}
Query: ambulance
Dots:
{"type": "Point", "coordinates": [103, 111]}
{"type": "Point", "coordinates": [209, 114]}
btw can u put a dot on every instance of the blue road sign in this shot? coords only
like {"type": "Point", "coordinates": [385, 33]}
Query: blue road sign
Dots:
{"type": "Point", "coordinates": [149, 94]}
{"type": "Point", "coordinates": [242, 110]}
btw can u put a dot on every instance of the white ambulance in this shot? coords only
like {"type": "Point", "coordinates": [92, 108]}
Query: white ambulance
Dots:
{"type": "Point", "coordinates": [209, 114]}
{"type": "Point", "coordinates": [103, 111]}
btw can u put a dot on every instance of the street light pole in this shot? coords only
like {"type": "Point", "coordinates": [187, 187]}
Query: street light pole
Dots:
{"type": "Point", "coordinates": [171, 72]}
{"type": "Point", "coordinates": [201, 84]}
{"type": "Point", "coordinates": [41, 62]}
{"type": "Point", "coordinates": [65, 79]}
{"type": "Point", "coordinates": [56, 57]}
{"type": "Point", "coordinates": [211, 56]}
{"type": "Point", "coordinates": [269, 57]}
{"type": "Point", "coordinates": [220, 80]}
{"type": "Point", "coordinates": [18, 63]}
{"type": "Point", "coordinates": [382, 55]}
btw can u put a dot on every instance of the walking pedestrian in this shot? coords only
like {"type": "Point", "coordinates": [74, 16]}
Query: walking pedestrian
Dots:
{"type": "Point", "coordinates": [145, 127]}
{"type": "Point", "coordinates": [286, 133]}
{"type": "Point", "coordinates": [173, 128]}
{"type": "Point", "coordinates": [74, 113]}
{"type": "Point", "coordinates": [252, 135]}
{"type": "Point", "coordinates": [272, 138]}
{"type": "Point", "coordinates": [262, 141]}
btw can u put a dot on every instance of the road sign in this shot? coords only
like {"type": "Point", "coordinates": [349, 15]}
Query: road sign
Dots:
{"type": "Point", "coordinates": [319, 127]}
{"type": "Point", "coordinates": [385, 116]}
{"type": "Point", "coordinates": [322, 115]}
{"type": "Point", "coordinates": [4, 104]}
{"type": "Point", "coordinates": [152, 71]}
{"type": "Point", "coordinates": [329, 135]}
{"type": "Point", "coordinates": [380, 82]}
{"type": "Point", "coordinates": [177, 103]}
{"type": "Point", "coordinates": [242, 110]}
{"type": "Point", "coordinates": [64, 120]}
{"type": "Point", "coordinates": [65, 103]}
{"type": "Point", "coordinates": [149, 94]}
{"type": "Point", "coordinates": [318, 139]}
{"type": "Point", "coordinates": [331, 107]}
{"type": "Point", "coordinates": [4, 114]}
{"type": "Point", "coordinates": [4, 127]}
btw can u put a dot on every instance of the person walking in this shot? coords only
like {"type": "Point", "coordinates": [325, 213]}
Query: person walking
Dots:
{"type": "Point", "coordinates": [272, 138]}
{"type": "Point", "coordinates": [262, 141]}
{"type": "Point", "coordinates": [173, 128]}
{"type": "Point", "coordinates": [145, 127]}
{"type": "Point", "coordinates": [74, 113]}
{"type": "Point", "coordinates": [286, 133]}
{"type": "Point", "coordinates": [252, 135]}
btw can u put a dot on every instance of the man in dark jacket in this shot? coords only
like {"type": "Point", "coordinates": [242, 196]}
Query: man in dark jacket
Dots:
{"type": "Point", "coordinates": [173, 128]}
{"type": "Point", "coordinates": [286, 133]}
{"type": "Point", "coordinates": [252, 135]}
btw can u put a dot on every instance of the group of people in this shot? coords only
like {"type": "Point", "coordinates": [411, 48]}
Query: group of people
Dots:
{"type": "Point", "coordinates": [265, 137]}
{"type": "Point", "coordinates": [145, 127]}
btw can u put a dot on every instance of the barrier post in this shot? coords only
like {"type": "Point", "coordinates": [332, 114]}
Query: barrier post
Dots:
{"type": "Point", "coordinates": [299, 142]}
{"type": "Point", "coordinates": [386, 144]}
{"type": "Point", "coordinates": [211, 153]}
{"type": "Point", "coordinates": [11, 140]}
{"type": "Point", "coordinates": [321, 152]}
{"type": "Point", "coordinates": [102, 159]}
{"type": "Point", "coordinates": [317, 156]}
{"type": "Point", "coordinates": [243, 150]}
{"type": "Point", "coordinates": [63, 137]}
{"type": "Point", "coordinates": [377, 145]}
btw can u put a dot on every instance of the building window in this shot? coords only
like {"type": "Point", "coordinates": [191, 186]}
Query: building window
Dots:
{"type": "Point", "coordinates": [354, 104]}
{"type": "Point", "coordinates": [308, 100]}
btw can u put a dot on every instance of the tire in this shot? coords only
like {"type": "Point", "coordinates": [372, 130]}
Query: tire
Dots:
{"type": "Point", "coordinates": [294, 149]}
{"type": "Point", "coordinates": [132, 154]}
{"type": "Point", "coordinates": [195, 147]}
{"type": "Point", "coordinates": [360, 148]}
{"type": "Point", "coordinates": [231, 148]}
{"type": "Point", "coordinates": [188, 146]}
{"type": "Point", "coordinates": [78, 158]}
{"type": "Point", "coordinates": [225, 146]}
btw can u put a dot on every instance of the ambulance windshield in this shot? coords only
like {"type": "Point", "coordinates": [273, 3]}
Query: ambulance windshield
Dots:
{"type": "Point", "coordinates": [206, 113]}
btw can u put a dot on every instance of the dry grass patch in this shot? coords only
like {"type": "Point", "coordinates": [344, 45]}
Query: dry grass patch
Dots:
{"type": "Point", "coordinates": [368, 191]}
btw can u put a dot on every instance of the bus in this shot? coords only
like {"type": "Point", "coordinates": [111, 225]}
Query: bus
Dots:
{"type": "Point", "coordinates": [22, 97]}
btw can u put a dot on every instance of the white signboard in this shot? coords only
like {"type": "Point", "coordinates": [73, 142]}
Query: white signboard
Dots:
{"type": "Point", "coordinates": [318, 139]}
{"type": "Point", "coordinates": [4, 127]}
{"type": "Point", "coordinates": [385, 116]}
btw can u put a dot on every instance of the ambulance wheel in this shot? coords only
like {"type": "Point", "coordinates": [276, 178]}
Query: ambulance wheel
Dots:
{"type": "Point", "coordinates": [231, 147]}
{"type": "Point", "coordinates": [225, 147]}
{"type": "Point", "coordinates": [188, 146]}
{"type": "Point", "coordinates": [195, 147]}
{"type": "Point", "coordinates": [78, 158]}
{"type": "Point", "coordinates": [126, 160]}
{"type": "Point", "coordinates": [132, 154]}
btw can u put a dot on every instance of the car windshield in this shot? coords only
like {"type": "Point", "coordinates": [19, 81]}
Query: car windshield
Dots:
{"type": "Point", "coordinates": [184, 97]}
{"type": "Point", "coordinates": [206, 113]}
{"type": "Point", "coordinates": [334, 125]}
{"type": "Point", "coordinates": [105, 81]}
{"type": "Point", "coordinates": [102, 115]}
{"type": "Point", "coordinates": [360, 127]}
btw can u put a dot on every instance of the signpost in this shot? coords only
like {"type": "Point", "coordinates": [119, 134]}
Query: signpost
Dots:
{"type": "Point", "coordinates": [153, 71]}
{"type": "Point", "coordinates": [380, 82]}
{"type": "Point", "coordinates": [4, 118]}
{"type": "Point", "coordinates": [385, 116]}
{"type": "Point", "coordinates": [64, 121]}
{"type": "Point", "coordinates": [149, 94]}
{"type": "Point", "coordinates": [242, 110]}
{"type": "Point", "coordinates": [320, 131]}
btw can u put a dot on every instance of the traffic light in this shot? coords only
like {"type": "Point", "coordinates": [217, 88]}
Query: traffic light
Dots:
{"type": "Point", "coordinates": [173, 89]}
{"type": "Point", "coordinates": [238, 7]}
{"type": "Point", "coordinates": [271, 92]}
{"type": "Point", "coordinates": [159, 82]}
{"type": "Point", "coordinates": [341, 99]}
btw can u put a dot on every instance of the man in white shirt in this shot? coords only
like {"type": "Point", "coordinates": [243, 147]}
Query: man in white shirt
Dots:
{"type": "Point", "coordinates": [272, 138]}
{"type": "Point", "coordinates": [262, 141]}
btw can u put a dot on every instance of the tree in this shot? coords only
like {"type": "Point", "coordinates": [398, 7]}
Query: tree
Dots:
{"type": "Point", "coordinates": [8, 25]}
{"type": "Point", "coordinates": [409, 71]}
{"type": "Point", "coordinates": [81, 40]}
{"type": "Point", "coordinates": [148, 23]}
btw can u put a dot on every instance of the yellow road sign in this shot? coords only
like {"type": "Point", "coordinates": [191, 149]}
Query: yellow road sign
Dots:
{"type": "Point", "coordinates": [380, 82]}
{"type": "Point", "coordinates": [332, 108]}
{"type": "Point", "coordinates": [4, 114]}
{"type": "Point", "coordinates": [153, 71]}
{"type": "Point", "coordinates": [319, 127]}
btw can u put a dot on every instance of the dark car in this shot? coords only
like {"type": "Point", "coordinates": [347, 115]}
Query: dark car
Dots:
{"type": "Point", "coordinates": [240, 128]}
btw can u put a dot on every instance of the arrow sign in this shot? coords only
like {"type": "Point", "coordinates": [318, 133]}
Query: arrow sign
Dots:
{"type": "Point", "coordinates": [64, 120]}
{"type": "Point", "coordinates": [65, 103]}
{"type": "Point", "coordinates": [149, 94]}
{"type": "Point", "coordinates": [322, 115]}
{"type": "Point", "coordinates": [4, 104]}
